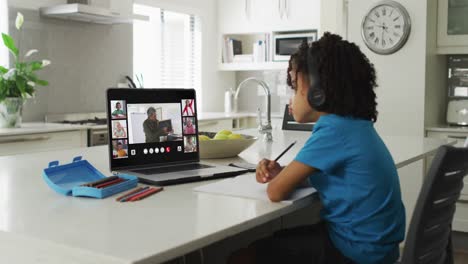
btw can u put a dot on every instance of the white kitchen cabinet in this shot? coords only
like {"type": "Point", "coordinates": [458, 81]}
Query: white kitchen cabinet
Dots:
{"type": "Point", "coordinates": [254, 16]}
{"type": "Point", "coordinates": [460, 222]}
{"type": "Point", "coordinates": [300, 15]}
{"type": "Point", "coordinates": [214, 125]}
{"type": "Point", "coordinates": [233, 16]}
{"type": "Point", "coordinates": [29, 143]}
{"type": "Point", "coordinates": [452, 28]}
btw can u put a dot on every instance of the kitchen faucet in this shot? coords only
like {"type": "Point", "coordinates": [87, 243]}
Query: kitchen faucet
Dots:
{"type": "Point", "coordinates": [263, 129]}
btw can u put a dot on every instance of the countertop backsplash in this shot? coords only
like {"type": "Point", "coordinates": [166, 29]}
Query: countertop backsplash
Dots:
{"type": "Point", "coordinates": [85, 62]}
{"type": "Point", "coordinates": [250, 97]}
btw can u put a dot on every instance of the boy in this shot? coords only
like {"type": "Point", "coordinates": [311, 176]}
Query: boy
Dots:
{"type": "Point", "coordinates": [344, 159]}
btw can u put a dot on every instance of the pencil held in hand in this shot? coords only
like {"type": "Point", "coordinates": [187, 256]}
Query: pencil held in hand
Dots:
{"type": "Point", "coordinates": [267, 170]}
{"type": "Point", "coordinates": [286, 150]}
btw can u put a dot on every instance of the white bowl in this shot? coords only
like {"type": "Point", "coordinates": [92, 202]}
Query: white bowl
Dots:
{"type": "Point", "coordinates": [217, 149]}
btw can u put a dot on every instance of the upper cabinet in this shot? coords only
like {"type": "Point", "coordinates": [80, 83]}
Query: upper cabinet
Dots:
{"type": "Point", "coordinates": [452, 36]}
{"type": "Point", "coordinates": [249, 16]}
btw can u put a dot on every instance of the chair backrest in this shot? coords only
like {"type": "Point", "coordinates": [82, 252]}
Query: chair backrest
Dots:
{"type": "Point", "coordinates": [429, 235]}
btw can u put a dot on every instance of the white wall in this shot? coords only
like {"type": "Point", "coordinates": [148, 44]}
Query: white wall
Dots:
{"type": "Point", "coordinates": [401, 76]}
{"type": "Point", "coordinates": [85, 60]}
{"type": "Point", "coordinates": [214, 82]}
{"type": "Point", "coordinates": [3, 29]}
{"type": "Point", "coordinates": [412, 86]}
{"type": "Point", "coordinates": [34, 4]}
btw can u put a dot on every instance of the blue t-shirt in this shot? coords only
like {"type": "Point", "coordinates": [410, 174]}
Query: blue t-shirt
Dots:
{"type": "Point", "coordinates": [359, 188]}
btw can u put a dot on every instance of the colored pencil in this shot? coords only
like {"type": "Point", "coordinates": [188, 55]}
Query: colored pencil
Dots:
{"type": "Point", "coordinates": [129, 193]}
{"type": "Point", "coordinates": [133, 195]}
{"type": "Point", "coordinates": [149, 192]}
{"type": "Point", "coordinates": [94, 183]}
{"type": "Point", "coordinates": [109, 183]}
{"type": "Point", "coordinates": [286, 150]}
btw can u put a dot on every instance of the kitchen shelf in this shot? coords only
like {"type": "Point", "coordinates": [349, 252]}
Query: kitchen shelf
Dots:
{"type": "Point", "coordinates": [254, 66]}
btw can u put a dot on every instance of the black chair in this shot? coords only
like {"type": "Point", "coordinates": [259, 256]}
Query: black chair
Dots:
{"type": "Point", "coordinates": [429, 238]}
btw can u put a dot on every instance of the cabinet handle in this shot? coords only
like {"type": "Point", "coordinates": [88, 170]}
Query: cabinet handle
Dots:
{"type": "Point", "coordinates": [247, 9]}
{"type": "Point", "coordinates": [286, 8]}
{"type": "Point", "coordinates": [18, 140]}
{"type": "Point", "coordinates": [280, 10]}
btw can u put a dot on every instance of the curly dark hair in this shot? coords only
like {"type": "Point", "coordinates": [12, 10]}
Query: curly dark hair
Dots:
{"type": "Point", "coordinates": [346, 76]}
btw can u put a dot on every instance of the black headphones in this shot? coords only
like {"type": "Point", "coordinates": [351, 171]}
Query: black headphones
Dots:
{"type": "Point", "coordinates": [315, 94]}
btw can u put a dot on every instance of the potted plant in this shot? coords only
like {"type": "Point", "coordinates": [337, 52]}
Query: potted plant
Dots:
{"type": "Point", "coordinates": [19, 82]}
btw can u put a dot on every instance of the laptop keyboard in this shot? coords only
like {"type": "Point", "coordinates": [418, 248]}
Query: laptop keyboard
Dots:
{"type": "Point", "coordinates": [177, 168]}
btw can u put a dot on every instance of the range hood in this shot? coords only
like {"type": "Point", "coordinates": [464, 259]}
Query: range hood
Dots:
{"type": "Point", "coordinates": [88, 13]}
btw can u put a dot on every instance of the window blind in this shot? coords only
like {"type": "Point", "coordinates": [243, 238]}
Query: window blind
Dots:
{"type": "Point", "coordinates": [167, 49]}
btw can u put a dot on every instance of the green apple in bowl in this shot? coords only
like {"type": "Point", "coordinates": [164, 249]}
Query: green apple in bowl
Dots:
{"type": "Point", "coordinates": [235, 136]}
{"type": "Point", "coordinates": [220, 137]}
{"type": "Point", "coordinates": [216, 145]}
{"type": "Point", "coordinates": [225, 132]}
{"type": "Point", "coordinates": [203, 138]}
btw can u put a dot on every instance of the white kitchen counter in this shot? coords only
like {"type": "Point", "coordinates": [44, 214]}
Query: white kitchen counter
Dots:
{"type": "Point", "coordinates": [212, 116]}
{"type": "Point", "coordinates": [445, 128]}
{"type": "Point", "coordinates": [28, 128]}
{"type": "Point", "coordinates": [39, 127]}
{"type": "Point", "coordinates": [169, 224]}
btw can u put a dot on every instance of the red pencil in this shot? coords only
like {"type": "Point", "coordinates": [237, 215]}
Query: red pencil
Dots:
{"type": "Point", "coordinates": [106, 184]}
{"type": "Point", "coordinates": [143, 195]}
{"type": "Point", "coordinates": [129, 193]}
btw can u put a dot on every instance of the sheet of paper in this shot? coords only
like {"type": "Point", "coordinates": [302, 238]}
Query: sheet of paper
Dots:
{"type": "Point", "coordinates": [246, 186]}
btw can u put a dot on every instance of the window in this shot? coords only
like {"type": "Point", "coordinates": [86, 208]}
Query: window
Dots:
{"type": "Point", "coordinates": [3, 29]}
{"type": "Point", "coordinates": [167, 49]}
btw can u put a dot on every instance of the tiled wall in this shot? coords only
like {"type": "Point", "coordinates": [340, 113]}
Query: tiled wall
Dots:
{"type": "Point", "coordinates": [86, 60]}
{"type": "Point", "coordinates": [250, 97]}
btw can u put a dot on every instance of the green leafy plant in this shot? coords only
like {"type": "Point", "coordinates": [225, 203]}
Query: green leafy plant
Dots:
{"type": "Point", "coordinates": [21, 80]}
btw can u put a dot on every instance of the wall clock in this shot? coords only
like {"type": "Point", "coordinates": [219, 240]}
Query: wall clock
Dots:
{"type": "Point", "coordinates": [386, 27]}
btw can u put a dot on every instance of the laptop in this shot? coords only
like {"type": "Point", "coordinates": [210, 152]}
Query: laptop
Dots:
{"type": "Point", "coordinates": [153, 134]}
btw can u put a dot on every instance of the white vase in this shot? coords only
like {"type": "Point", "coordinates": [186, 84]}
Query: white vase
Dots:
{"type": "Point", "coordinates": [11, 112]}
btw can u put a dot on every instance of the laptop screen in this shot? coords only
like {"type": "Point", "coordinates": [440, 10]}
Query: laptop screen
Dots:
{"type": "Point", "coordinates": [151, 127]}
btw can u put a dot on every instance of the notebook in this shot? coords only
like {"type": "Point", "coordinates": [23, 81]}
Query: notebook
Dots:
{"type": "Point", "coordinates": [246, 186]}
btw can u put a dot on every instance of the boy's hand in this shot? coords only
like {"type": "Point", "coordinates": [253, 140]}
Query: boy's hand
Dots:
{"type": "Point", "coordinates": [267, 170]}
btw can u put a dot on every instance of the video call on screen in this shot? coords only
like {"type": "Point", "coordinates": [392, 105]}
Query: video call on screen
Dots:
{"type": "Point", "coordinates": [147, 130]}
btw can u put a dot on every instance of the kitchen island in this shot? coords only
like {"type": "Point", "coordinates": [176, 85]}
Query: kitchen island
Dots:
{"type": "Point", "coordinates": [40, 136]}
{"type": "Point", "coordinates": [172, 223]}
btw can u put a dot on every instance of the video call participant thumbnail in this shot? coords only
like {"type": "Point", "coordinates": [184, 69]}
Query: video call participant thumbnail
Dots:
{"type": "Point", "coordinates": [119, 130]}
{"type": "Point", "coordinates": [189, 126]}
{"type": "Point", "coordinates": [189, 108]}
{"type": "Point", "coordinates": [120, 148]}
{"type": "Point", "coordinates": [118, 111]}
{"type": "Point", "coordinates": [153, 131]}
{"type": "Point", "coordinates": [190, 144]}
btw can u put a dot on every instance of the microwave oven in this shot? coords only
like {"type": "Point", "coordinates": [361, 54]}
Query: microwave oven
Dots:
{"type": "Point", "coordinates": [286, 43]}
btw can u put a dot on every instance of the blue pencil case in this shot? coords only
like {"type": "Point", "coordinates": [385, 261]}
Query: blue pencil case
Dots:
{"type": "Point", "coordinates": [67, 179]}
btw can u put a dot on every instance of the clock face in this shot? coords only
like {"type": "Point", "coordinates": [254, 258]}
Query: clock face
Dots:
{"type": "Point", "coordinates": [386, 27]}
